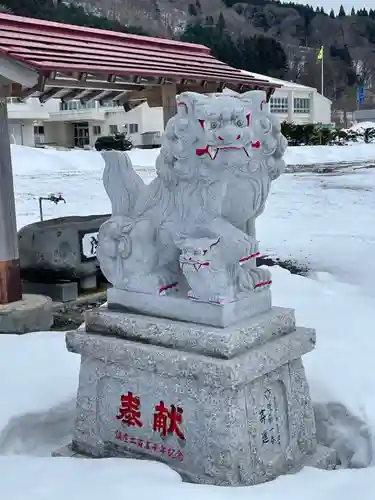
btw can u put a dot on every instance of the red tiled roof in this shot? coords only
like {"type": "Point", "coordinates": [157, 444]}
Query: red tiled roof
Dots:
{"type": "Point", "coordinates": [49, 46]}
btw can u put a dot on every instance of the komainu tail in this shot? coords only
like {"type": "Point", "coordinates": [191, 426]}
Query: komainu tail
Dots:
{"type": "Point", "coordinates": [121, 182]}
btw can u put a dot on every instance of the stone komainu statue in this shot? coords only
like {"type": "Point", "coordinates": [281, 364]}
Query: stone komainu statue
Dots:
{"type": "Point", "coordinates": [184, 232]}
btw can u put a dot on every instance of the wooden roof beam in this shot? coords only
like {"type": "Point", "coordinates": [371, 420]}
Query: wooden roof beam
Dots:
{"type": "Point", "coordinates": [81, 77]}
{"type": "Point", "coordinates": [92, 85]}
{"type": "Point", "coordinates": [28, 92]}
{"type": "Point", "coordinates": [121, 96]}
{"type": "Point", "coordinates": [129, 105]}
{"type": "Point", "coordinates": [96, 95]}
{"type": "Point", "coordinates": [208, 88]}
{"type": "Point", "coordinates": [49, 94]}
{"type": "Point", "coordinates": [111, 96]}
{"type": "Point", "coordinates": [136, 94]}
{"type": "Point", "coordinates": [270, 93]}
{"type": "Point", "coordinates": [91, 96]}
{"type": "Point", "coordinates": [133, 99]}
{"type": "Point", "coordinates": [73, 94]}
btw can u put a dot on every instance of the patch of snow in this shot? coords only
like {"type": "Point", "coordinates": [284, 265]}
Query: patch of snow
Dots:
{"type": "Point", "coordinates": [77, 175]}
{"type": "Point", "coordinates": [312, 155]}
{"type": "Point", "coordinates": [361, 126]}
{"type": "Point", "coordinates": [37, 375]}
{"type": "Point", "coordinates": [346, 433]}
{"type": "Point", "coordinates": [325, 221]}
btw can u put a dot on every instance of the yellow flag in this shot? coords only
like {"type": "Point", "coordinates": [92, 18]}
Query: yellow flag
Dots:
{"type": "Point", "coordinates": [320, 54]}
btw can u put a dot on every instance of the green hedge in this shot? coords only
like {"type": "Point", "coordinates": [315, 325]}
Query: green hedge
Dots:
{"type": "Point", "coordinates": [315, 135]}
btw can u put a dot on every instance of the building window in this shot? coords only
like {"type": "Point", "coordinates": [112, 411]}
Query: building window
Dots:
{"type": "Point", "coordinates": [113, 129]}
{"type": "Point", "coordinates": [301, 105]}
{"type": "Point", "coordinates": [279, 104]}
{"type": "Point", "coordinates": [39, 130]}
{"type": "Point", "coordinates": [110, 104]}
{"type": "Point", "coordinates": [133, 128]}
{"type": "Point", "coordinates": [96, 130]}
{"type": "Point", "coordinates": [76, 105]}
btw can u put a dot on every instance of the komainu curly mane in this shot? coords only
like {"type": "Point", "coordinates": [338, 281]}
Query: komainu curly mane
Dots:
{"type": "Point", "coordinates": [181, 164]}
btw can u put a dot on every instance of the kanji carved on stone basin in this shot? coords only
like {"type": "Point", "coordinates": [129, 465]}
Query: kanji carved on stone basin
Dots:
{"type": "Point", "coordinates": [183, 234]}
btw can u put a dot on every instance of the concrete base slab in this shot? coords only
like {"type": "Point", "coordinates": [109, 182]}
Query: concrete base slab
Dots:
{"type": "Point", "coordinates": [59, 292]}
{"type": "Point", "coordinates": [31, 314]}
{"type": "Point", "coordinates": [181, 308]}
{"type": "Point", "coordinates": [238, 421]}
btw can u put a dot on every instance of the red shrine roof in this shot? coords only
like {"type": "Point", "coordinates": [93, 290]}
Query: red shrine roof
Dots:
{"type": "Point", "coordinates": [61, 49]}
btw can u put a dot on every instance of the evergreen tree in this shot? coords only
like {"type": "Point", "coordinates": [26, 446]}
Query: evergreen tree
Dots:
{"type": "Point", "coordinates": [221, 23]}
{"type": "Point", "coordinates": [65, 13]}
{"type": "Point", "coordinates": [192, 10]}
{"type": "Point", "coordinates": [332, 14]}
{"type": "Point", "coordinates": [352, 12]}
{"type": "Point", "coordinates": [258, 54]}
{"type": "Point", "coordinates": [362, 13]}
{"type": "Point", "coordinates": [342, 11]}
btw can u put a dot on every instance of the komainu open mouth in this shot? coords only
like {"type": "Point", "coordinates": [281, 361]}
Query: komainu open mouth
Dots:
{"type": "Point", "coordinates": [212, 151]}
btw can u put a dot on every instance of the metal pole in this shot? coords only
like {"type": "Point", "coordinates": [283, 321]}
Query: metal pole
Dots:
{"type": "Point", "coordinates": [10, 280]}
{"type": "Point", "coordinates": [322, 75]}
{"type": "Point", "coordinates": [41, 208]}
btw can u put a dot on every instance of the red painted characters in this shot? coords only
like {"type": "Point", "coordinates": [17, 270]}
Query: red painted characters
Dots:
{"type": "Point", "coordinates": [129, 412]}
{"type": "Point", "coordinates": [149, 445]}
{"type": "Point", "coordinates": [168, 421]}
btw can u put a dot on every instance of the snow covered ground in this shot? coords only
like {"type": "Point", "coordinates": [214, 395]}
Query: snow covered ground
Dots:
{"type": "Point", "coordinates": [362, 126]}
{"type": "Point", "coordinates": [325, 221]}
{"type": "Point", "coordinates": [77, 175]}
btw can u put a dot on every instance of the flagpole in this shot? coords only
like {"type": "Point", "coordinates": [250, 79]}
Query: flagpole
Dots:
{"type": "Point", "coordinates": [322, 75]}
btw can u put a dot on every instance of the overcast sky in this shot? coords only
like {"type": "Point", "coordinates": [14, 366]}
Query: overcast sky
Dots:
{"type": "Point", "coordinates": [335, 4]}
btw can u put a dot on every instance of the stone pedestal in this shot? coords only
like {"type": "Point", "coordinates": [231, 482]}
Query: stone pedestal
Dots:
{"type": "Point", "coordinates": [178, 307]}
{"type": "Point", "coordinates": [224, 406]}
{"type": "Point", "coordinates": [31, 314]}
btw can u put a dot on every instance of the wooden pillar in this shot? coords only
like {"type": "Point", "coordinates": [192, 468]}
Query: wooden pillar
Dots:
{"type": "Point", "coordinates": [10, 281]}
{"type": "Point", "coordinates": [168, 94]}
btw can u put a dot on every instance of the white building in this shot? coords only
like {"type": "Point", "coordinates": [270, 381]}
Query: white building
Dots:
{"type": "Point", "coordinates": [297, 103]}
{"type": "Point", "coordinates": [74, 124]}
{"type": "Point", "coordinates": [22, 119]}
